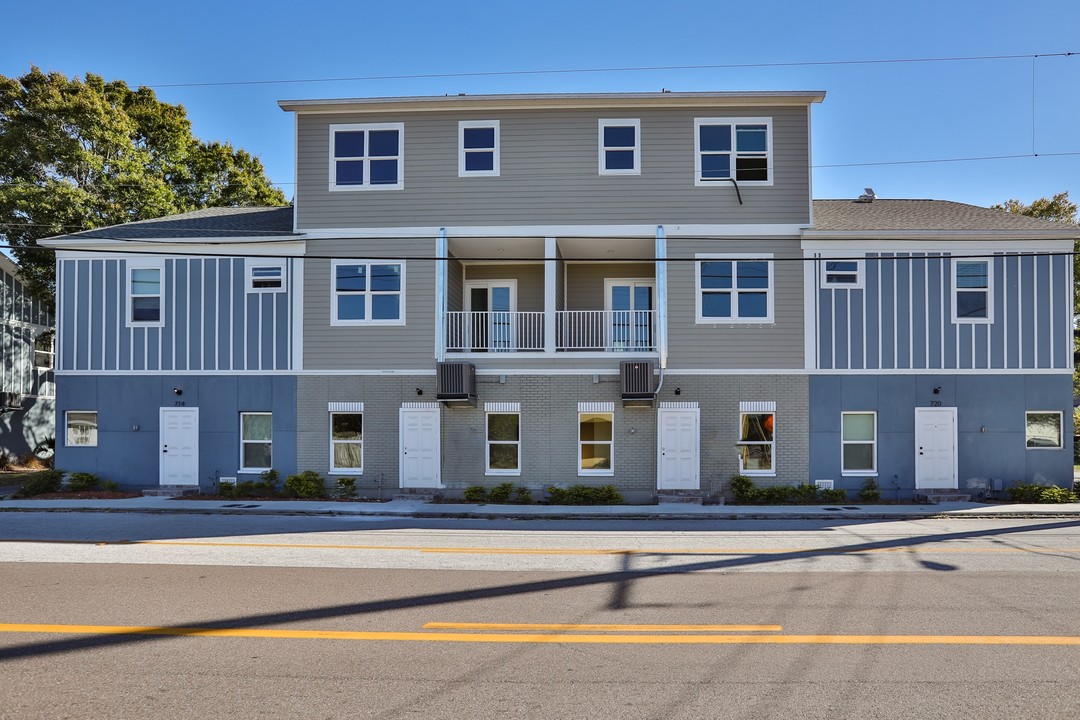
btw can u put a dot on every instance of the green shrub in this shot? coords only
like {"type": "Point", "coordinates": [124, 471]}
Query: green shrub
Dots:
{"type": "Point", "coordinates": [805, 493]}
{"type": "Point", "coordinates": [584, 495]}
{"type": "Point", "coordinates": [476, 493]}
{"type": "Point", "coordinates": [268, 481]}
{"type": "Point", "coordinates": [227, 489]}
{"type": "Point", "coordinates": [108, 486]}
{"type": "Point", "coordinates": [522, 495]}
{"type": "Point", "coordinates": [308, 484]}
{"type": "Point", "coordinates": [345, 487]}
{"type": "Point", "coordinates": [82, 482]}
{"type": "Point", "coordinates": [835, 495]}
{"type": "Point", "coordinates": [501, 492]}
{"type": "Point", "coordinates": [776, 495]}
{"type": "Point", "coordinates": [1032, 493]}
{"type": "Point", "coordinates": [250, 489]}
{"type": "Point", "coordinates": [743, 489]}
{"type": "Point", "coordinates": [46, 481]}
{"type": "Point", "coordinates": [870, 492]}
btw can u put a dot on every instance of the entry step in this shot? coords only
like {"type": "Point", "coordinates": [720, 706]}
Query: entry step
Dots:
{"type": "Point", "coordinates": [683, 497]}
{"type": "Point", "coordinates": [422, 495]}
{"type": "Point", "coordinates": [939, 496]}
{"type": "Point", "coordinates": [171, 491]}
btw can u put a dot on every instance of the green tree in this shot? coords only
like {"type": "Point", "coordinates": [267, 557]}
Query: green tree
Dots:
{"type": "Point", "coordinates": [78, 154]}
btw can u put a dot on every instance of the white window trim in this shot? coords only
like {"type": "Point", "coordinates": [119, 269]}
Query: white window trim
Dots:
{"type": "Point", "coordinates": [1061, 429]}
{"type": "Point", "coordinates": [734, 319]}
{"type": "Point", "coordinates": [249, 267]}
{"type": "Point", "coordinates": [243, 468]}
{"type": "Point", "coordinates": [467, 124]}
{"type": "Point", "coordinates": [335, 322]}
{"type": "Point", "coordinates": [399, 185]}
{"type": "Point", "coordinates": [580, 443]}
{"type": "Point", "coordinates": [873, 444]}
{"type": "Point", "coordinates": [629, 122]}
{"type": "Point", "coordinates": [330, 430]}
{"type": "Point", "coordinates": [989, 319]}
{"type": "Point", "coordinates": [145, 264]}
{"type": "Point", "coordinates": [859, 275]}
{"type": "Point", "coordinates": [771, 472]}
{"type": "Point", "coordinates": [488, 443]}
{"type": "Point", "coordinates": [733, 121]}
{"type": "Point", "coordinates": [97, 429]}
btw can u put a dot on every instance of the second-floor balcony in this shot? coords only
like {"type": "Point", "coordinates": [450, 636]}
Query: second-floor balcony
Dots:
{"type": "Point", "coordinates": [575, 330]}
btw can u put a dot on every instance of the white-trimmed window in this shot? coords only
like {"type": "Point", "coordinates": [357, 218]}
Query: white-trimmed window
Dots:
{"type": "Point", "coordinates": [596, 443]}
{"type": "Point", "coordinates": [347, 442]}
{"type": "Point", "coordinates": [478, 148]}
{"type": "Point", "coordinates": [367, 292]}
{"type": "Point", "coordinates": [81, 428]}
{"type": "Point", "coordinates": [858, 443]}
{"type": "Point", "coordinates": [503, 443]}
{"type": "Point", "coordinates": [256, 441]}
{"type": "Point", "coordinates": [842, 274]}
{"type": "Point", "coordinates": [1043, 429]}
{"type": "Point", "coordinates": [367, 156]}
{"type": "Point", "coordinates": [620, 147]}
{"type": "Point", "coordinates": [145, 290]}
{"type": "Point", "coordinates": [972, 291]}
{"type": "Point", "coordinates": [265, 275]}
{"type": "Point", "coordinates": [734, 290]}
{"type": "Point", "coordinates": [733, 148]}
{"type": "Point", "coordinates": [756, 443]}
{"type": "Point", "coordinates": [44, 349]}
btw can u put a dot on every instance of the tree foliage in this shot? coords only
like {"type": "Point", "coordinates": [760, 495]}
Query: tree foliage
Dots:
{"type": "Point", "coordinates": [78, 154]}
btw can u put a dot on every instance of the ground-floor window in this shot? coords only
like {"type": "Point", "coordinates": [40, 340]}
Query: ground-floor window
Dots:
{"type": "Point", "coordinates": [596, 444]}
{"type": "Point", "coordinates": [858, 440]}
{"type": "Point", "coordinates": [503, 443]}
{"type": "Point", "coordinates": [1043, 429]}
{"type": "Point", "coordinates": [756, 445]}
{"type": "Point", "coordinates": [256, 446]}
{"type": "Point", "coordinates": [82, 427]}
{"type": "Point", "coordinates": [346, 442]}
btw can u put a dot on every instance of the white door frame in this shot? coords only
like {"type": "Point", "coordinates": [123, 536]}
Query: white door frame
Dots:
{"type": "Point", "coordinates": [162, 444]}
{"type": "Point", "coordinates": [434, 409]}
{"type": "Point", "coordinates": [951, 411]}
{"type": "Point", "coordinates": [489, 328]}
{"type": "Point", "coordinates": [661, 483]}
{"type": "Point", "coordinates": [632, 283]}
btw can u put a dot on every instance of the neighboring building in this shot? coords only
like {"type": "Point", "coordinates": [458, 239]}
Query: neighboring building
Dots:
{"type": "Point", "coordinates": [26, 378]}
{"type": "Point", "coordinates": [552, 289]}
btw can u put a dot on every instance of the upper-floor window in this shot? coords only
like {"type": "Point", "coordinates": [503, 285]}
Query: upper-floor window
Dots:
{"type": "Point", "coordinates": [620, 147]}
{"type": "Point", "coordinates": [972, 284]}
{"type": "Point", "coordinates": [145, 291]}
{"type": "Point", "coordinates": [367, 292]}
{"type": "Point", "coordinates": [734, 290]}
{"type": "Point", "coordinates": [367, 157]}
{"type": "Point", "coordinates": [845, 274]}
{"type": "Point", "coordinates": [44, 349]}
{"type": "Point", "coordinates": [265, 275]}
{"type": "Point", "coordinates": [730, 148]}
{"type": "Point", "coordinates": [478, 148]}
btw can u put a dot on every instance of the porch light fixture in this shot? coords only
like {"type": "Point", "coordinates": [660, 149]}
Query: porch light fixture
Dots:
{"type": "Point", "coordinates": [178, 391]}
{"type": "Point", "coordinates": [937, 390]}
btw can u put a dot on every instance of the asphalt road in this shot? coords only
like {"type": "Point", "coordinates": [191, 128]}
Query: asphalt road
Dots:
{"type": "Point", "coordinates": [202, 616]}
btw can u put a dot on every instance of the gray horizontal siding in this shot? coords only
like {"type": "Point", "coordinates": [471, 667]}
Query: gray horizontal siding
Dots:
{"type": "Point", "coordinates": [210, 322]}
{"type": "Point", "coordinates": [902, 319]}
{"type": "Point", "coordinates": [409, 346]}
{"type": "Point", "coordinates": [778, 345]}
{"type": "Point", "coordinates": [530, 282]}
{"type": "Point", "coordinates": [585, 281]}
{"type": "Point", "coordinates": [549, 174]}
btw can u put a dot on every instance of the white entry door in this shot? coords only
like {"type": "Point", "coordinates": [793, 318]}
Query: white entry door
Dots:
{"type": "Point", "coordinates": [420, 451]}
{"type": "Point", "coordinates": [935, 448]}
{"type": "Point", "coordinates": [179, 446]}
{"type": "Point", "coordinates": [679, 438]}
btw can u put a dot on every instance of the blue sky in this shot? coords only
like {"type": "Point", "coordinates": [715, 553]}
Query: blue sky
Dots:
{"type": "Point", "coordinates": [873, 113]}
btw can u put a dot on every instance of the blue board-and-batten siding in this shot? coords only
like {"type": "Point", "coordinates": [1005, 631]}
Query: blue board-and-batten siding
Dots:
{"type": "Point", "coordinates": [210, 322]}
{"type": "Point", "coordinates": [901, 319]}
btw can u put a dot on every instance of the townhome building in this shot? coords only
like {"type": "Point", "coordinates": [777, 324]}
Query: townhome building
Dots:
{"type": "Point", "coordinates": [26, 375]}
{"type": "Point", "coordinates": [625, 289]}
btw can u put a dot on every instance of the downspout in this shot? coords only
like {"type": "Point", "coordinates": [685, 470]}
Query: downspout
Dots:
{"type": "Point", "coordinates": [661, 302]}
{"type": "Point", "coordinates": [441, 273]}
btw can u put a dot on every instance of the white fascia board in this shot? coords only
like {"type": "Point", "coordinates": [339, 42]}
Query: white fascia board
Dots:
{"type": "Point", "coordinates": [234, 248]}
{"type": "Point", "coordinates": [509, 231]}
{"type": "Point", "coordinates": [993, 235]}
{"type": "Point", "coordinates": [1009, 243]}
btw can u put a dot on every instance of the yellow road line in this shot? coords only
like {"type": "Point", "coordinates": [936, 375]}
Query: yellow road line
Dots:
{"type": "Point", "coordinates": [558, 627]}
{"type": "Point", "coordinates": [552, 638]}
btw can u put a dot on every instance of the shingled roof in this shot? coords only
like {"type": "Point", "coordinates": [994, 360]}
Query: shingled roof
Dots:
{"type": "Point", "coordinates": [219, 223]}
{"type": "Point", "coordinates": [924, 215]}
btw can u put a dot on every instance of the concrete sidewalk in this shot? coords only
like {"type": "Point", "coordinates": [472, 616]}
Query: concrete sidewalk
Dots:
{"type": "Point", "coordinates": [403, 508]}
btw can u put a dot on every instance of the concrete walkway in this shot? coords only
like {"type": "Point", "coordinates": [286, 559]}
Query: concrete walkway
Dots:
{"type": "Point", "coordinates": [403, 508]}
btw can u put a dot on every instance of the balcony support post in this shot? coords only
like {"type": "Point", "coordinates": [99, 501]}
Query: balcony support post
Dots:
{"type": "Point", "coordinates": [441, 288]}
{"type": "Point", "coordinates": [551, 269]}
{"type": "Point", "coordinates": [661, 296]}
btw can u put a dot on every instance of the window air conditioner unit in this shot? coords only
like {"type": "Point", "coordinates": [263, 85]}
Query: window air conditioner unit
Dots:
{"type": "Point", "coordinates": [637, 383]}
{"type": "Point", "coordinates": [455, 383]}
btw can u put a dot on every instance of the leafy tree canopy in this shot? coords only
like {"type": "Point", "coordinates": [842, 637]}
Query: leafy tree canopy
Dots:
{"type": "Point", "coordinates": [82, 154]}
{"type": "Point", "coordinates": [1058, 208]}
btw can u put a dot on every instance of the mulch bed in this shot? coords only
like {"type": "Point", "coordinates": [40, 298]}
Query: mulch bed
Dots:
{"type": "Point", "coordinates": [87, 495]}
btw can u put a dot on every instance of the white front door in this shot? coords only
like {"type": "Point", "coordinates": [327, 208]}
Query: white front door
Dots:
{"type": "Point", "coordinates": [179, 437]}
{"type": "Point", "coordinates": [677, 466]}
{"type": "Point", "coordinates": [935, 448]}
{"type": "Point", "coordinates": [420, 452]}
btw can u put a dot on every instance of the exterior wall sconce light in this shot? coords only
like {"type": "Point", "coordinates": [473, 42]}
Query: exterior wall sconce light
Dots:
{"type": "Point", "coordinates": [419, 391]}
{"type": "Point", "coordinates": [678, 391]}
{"type": "Point", "coordinates": [178, 391]}
{"type": "Point", "coordinates": [937, 390]}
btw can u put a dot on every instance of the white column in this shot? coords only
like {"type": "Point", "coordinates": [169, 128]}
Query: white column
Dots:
{"type": "Point", "coordinates": [551, 267]}
{"type": "Point", "coordinates": [441, 271]}
{"type": "Point", "coordinates": [661, 295]}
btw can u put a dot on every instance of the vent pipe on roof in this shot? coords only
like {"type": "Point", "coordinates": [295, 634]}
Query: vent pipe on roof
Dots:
{"type": "Point", "coordinates": [868, 196]}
